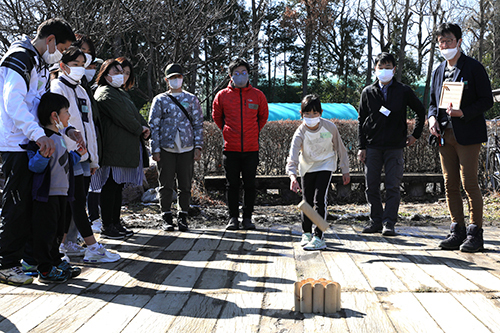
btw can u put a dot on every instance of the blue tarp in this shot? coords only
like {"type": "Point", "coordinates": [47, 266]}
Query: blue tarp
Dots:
{"type": "Point", "coordinates": [291, 111]}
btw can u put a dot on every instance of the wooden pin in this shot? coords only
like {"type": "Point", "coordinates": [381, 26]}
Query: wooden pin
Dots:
{"type": "Point", "coordinates": [313, 215]}
{"type": "Point", "coordinates": [318, 298]}
{"type": "Point", "coordinates": [306, 298]}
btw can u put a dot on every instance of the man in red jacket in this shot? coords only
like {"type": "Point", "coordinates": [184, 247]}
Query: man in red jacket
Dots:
{"type": "Point", "coordinates": [241, 112]}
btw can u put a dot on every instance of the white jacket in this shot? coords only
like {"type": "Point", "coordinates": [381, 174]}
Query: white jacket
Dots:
{"type": "Point", "coordinates": [18, 104]}
{"type": "Point", "coordinates": [86, 128]}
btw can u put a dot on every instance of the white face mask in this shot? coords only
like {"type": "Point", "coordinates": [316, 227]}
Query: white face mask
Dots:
{"type": "Point", "coordinates": [89, 74]}
{"type": "Point", "coordinates": [384, 75]}
{"type": "Point", "coordinates": [449, 54]}
{"type": "Point", "coordinates": [76, 73]}
{"type": "Point", "coordinates": [59, 124]}
{"type": "Point", "coordinates": [311, 122]}
{"type": "Point", "coordinates": [116, 80]}
{"type": "Point", "coordinates": [175, 83]}
{"type": "Point", "coordinates": [88, 60]}
{"type": "Point", "coordinates": [52, 58]}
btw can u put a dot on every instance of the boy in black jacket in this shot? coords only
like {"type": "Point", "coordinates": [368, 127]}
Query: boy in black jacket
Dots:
{"type": "Point", "coordinates": [383, 134]}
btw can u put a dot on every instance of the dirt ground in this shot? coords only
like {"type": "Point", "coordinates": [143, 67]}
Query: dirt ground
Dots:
{"type": "Point", "coordinates": [268, 211]}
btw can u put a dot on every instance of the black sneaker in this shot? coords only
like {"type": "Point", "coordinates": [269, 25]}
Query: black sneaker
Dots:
{"type": "Point", "coordinates": [388, 229]}
{"type": "Point", "coordinates": [73, 271]}
{"type": "Point", "coordinates": [55, 275]}
{"type": "Point", "coordinates": [474, 241]}
{"type": "Point", "coordinates": [455, 238]}
{"type": "Point", "coordinates": [168, 224]}
{"type": "Point", "coordinates": [110, 232]}
{"type": "Point", "coordinates": [233, 224]}
{"type": "Point", "coordinates": [123, 231]}
{"type": "Point", "coordinates": [182, 221]}
{"type": "Point", "coordinates": [247, 224]}
{"type": "Point", "coordinates": [372, 227]}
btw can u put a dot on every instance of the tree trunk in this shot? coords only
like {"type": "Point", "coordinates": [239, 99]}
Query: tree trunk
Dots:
{"type": "Point", "coordinates": [404, 31]}
{"type": "Point", "coordinates": [368, 80]}
{"type": "Point", "coordinates": [305, 67]}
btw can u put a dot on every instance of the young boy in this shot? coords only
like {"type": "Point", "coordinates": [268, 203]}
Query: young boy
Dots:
{"type": "Point", "coordinates": [315, 148]}
{"type": "Point", "coordinates": [51, 190]}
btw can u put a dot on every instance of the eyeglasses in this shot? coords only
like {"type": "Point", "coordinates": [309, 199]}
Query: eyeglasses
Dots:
{"type": "Point", "coordinates": [447, 42]}
{"type": "Point", "coordinates": [242, 73]}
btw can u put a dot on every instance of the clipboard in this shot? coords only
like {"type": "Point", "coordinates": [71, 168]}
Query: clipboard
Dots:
{"type": "Point", "coordinates": [451, 92]}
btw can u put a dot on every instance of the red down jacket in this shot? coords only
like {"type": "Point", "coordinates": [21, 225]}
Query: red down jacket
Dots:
{"type": "Point", "coordinates": [240, 113]}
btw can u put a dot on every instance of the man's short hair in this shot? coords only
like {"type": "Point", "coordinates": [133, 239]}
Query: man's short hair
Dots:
{"type": "Point", "coordinates": [57, 27]}
{"type": "Point", "coordinates": [385, 58]}
{"type": "Point", "coordinates": [237, 63]}
{"type": "Point", "coordinates": [449, 28]}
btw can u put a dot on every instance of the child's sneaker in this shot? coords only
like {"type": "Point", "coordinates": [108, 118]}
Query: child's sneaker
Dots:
{"type": "Point", "coordinates": [100, 255]}
{"type": "Point", "coordinates": [73, 271]}
{"type": "Point", "coordinates": [55, 275]}
{"type": "Point", "coordinates": [96, 226]}
{"type": "Point", "coordinates": [30, 270]}
{"type": "Point", "coordinates": [14, 276]}
{"type": "Point", "coordinates": [316, 243]}
{"type": "Point", "coordinates": [306, 238]}
{"type": "Point", "coordinates": [71, 249]}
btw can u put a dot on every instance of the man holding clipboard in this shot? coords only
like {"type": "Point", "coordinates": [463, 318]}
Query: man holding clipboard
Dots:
{"type": "Point", "coordinates": [460, 95]}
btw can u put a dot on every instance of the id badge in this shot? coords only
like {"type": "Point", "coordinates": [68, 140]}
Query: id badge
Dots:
{"type": "Point", "coordinates": [84, 109]}
{"type": "Point", "coordinates": [385, 111]}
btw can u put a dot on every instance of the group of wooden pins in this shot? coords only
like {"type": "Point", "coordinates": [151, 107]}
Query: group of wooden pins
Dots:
{"type": "Point", "coordinates": [317, 296]}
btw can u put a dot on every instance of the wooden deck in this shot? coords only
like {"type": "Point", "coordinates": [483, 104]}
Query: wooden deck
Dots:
{"type": "Point", "coordinates": [236, 281]}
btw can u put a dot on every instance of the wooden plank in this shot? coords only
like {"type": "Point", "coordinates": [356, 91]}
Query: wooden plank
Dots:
{"type": "Point", "coordinates": [364, 313]}
{"type": "Point", "coordinates": [344, 270]}
{"type": "Point", "coordinates": [280, 271]}
{"type": "Point", "coordinates": [184, 276]}
{"type": "Point", "coordinates": [10, 304]}
{"type": "Point", "coordinates": [199, 314]}
{"type": "Point", "coordinates": [449, 314]}
{"type": "Point", "coordinates": [484, 307]}
{"type": "Point", "coordinates": [217, 275]}
{"type": "Point", "coordinates": [325, 323]}
{"type": "Point", "coordinates": [34, 313]}
{"type": "Point", "coordinates": [241, 313]}
{"type": "Point", "coordinates": [116, 314]}
{"type": "Point", "coordinates": [232, 240]}
{"type": "Point", "coordinates": [208, 240]}
{"type": "Point", "coordinates": [184, 241]}
{"type": "Point", "coordinates": [277, 315]}
{"type": "Point", "coordinates": [250, 273]}
{"type": "Point", "coordinates": [255, 240]}
{"type": "Point", "coordinates": [444, 275]}
{"type": "Point", "coordinates": [74, 314]}
{"type": "Point", "coordinates": [158, 314]}
{"type": "Point", "coordinates": [407, 314]}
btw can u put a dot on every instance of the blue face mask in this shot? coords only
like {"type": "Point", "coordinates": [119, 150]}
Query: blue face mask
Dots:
{"type": "Point", "coordinates": [240, 80]}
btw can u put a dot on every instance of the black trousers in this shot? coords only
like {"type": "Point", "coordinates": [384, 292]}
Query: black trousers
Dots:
{"type": "Point", "coordinates": [17, 204]}
{"type": "Point", "coordinates": [77, 208]}
{"type": "Point", "coordinates": [48, 229]}
{"type": "Point", "coordinates": [93, 203]}
{"type": "Point", "coordinates": [111, 201]}
{"type": "Point", "coordinates": [236, 163]}
{"type": "Point", "coordinates": [314, 191]}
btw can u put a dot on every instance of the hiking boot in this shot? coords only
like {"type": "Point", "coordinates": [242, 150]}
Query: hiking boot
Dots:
{"type": "Point", "coordinates": [110, 232]}
{"type": "Point", "coordinates": [316, 243]}
{"type": "Point", "coordinates": [306, 238]}
{"type": "Point", "coordinates": [72, 271]}
{"type": "Point", "coordinates": [247, 224]}
{"type": "Point", "coordinates": [122, 230]}
{"type": "Point", "coordinates": [388, 229]}
{"type": "Point", "coordinates": [71, 249]}
{"type": "Point", "coordinates": [14, 276]}
{"type": "Point", "coordinates": [55, 275]}
{"type": "Point", "coordinates": [182, 221]}
{"type": "Point", "coordinates": [474, 241]}
{"type": "Point", "coordinates": [372, 227]}
{"type": "Point", "coordinates": [99, 253]}
{"type": "Point", "coordinates": [168, 224]}
{"type": "Point", "coordinates": [233, 224]}
{"type": "Point", "coordinates": [455, 238]}
{"type": "Point", "coordinates": [30, 270]}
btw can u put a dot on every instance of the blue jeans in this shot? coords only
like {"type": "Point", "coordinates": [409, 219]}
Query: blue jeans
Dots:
{"type": "Point", "coordinates": [392, 162]}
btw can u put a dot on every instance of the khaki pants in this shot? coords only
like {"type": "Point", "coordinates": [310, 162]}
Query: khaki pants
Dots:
{"type": "Point", "coordinates": [460, 165]}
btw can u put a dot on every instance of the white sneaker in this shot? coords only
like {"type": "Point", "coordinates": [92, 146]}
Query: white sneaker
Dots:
{"type": "Point", "coordinates": [316, 243]}
{"type": "Point", "coordinates": [71, 249]}
{"type": "Point", "coordinates": [96, 226]}
{"type": "Point", "coordinates": [14, 276]}
{"type": "Point", "coordinates": [306, 238]}
{"type": "Point", "coordinates": [100, 255]}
